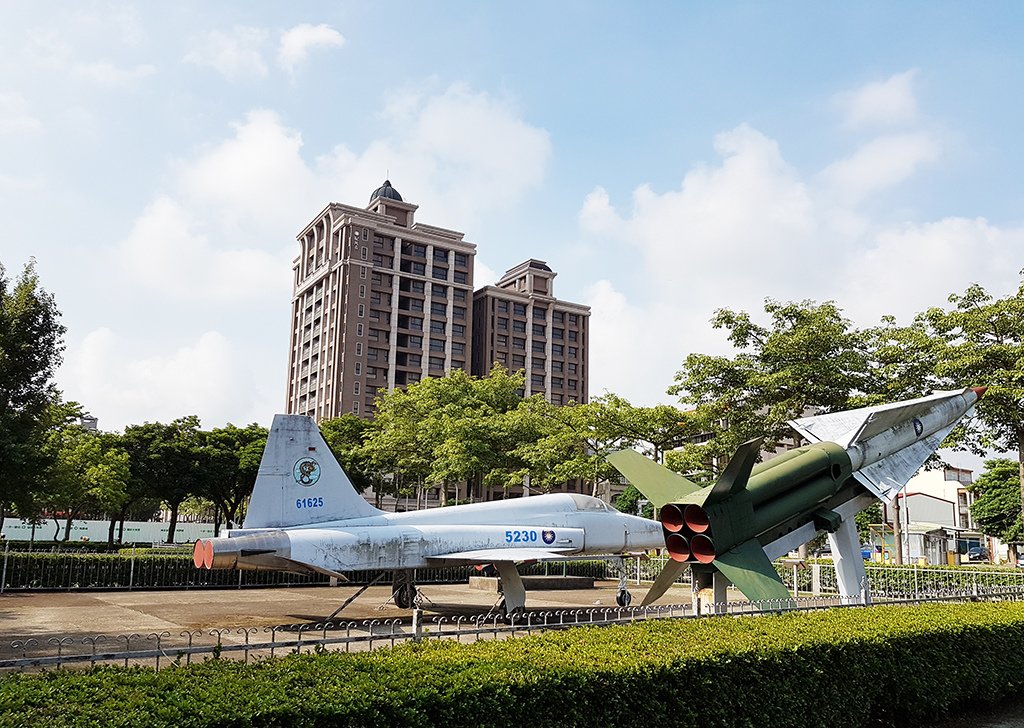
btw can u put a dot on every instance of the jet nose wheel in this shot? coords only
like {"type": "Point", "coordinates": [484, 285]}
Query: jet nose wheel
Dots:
{"type": "Point", "coordinates": [623, 598]}
{"type": "Point", "coordinates": [403, 591]}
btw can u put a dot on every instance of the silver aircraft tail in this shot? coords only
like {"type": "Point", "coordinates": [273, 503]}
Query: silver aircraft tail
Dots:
{"type": "Point", "coordinates": [300, 482]}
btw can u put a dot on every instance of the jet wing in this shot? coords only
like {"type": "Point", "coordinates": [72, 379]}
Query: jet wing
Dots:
{"type": "Point", "coordinates": [748, 567]}
{"type": "Point", "coordinates": [486, 556]}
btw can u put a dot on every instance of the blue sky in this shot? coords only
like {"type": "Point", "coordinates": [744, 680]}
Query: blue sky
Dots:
{"type": "Point", "coordinates": [666, 159]}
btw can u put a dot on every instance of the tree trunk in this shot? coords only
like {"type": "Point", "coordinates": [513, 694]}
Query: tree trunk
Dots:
{"type": "Point", "coordinates": [442, 496]}
{"type": "Point", "coordinates": [67, 526]}
{"type": "Point", "coordinates": [216, 520]}
{"type": "Point", "coordinates": [173, 523]}
{"type": "Point", "coordinates": [1020, 462]}
{"type": "Point", "coordinates": [120, 527]}
{"type": "Point", "coordinates": [110, 531]}
{"type": "Point", "coordinates": [897, 531]}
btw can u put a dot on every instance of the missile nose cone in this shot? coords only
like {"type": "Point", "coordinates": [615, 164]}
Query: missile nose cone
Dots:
{"type": "Point", "coordinates": [979, 391]}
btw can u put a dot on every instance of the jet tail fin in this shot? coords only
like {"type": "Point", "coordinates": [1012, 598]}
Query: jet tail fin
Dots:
{"type": "Point", "coordinates": [658, 484]}
{"type": "Point", "coordinates": [300, 482]}
{"type": "Point", "coordinates": [749, 568]}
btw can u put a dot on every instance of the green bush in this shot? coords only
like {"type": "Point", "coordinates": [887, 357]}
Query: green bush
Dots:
{"type": "Point", "coordinates": [854, 667]}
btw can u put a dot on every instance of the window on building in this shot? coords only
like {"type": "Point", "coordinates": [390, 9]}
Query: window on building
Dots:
{"type": "Point", "coordinates": [501, 340]}
{"type": "Point", "coordinates": [572, 367]}
{"type": "Point", "coordinates": [437, 362]}
{"type": "Point", "coordinates": [537, 380]}
{"type": "Point", "coordinates": [458, 348]}
{"type": "Point", "coordinates": [414, 249]}
{"type": "Point", "coordinates": [361, 311]}
{"type": "Point", "coordinates": [574, 319]}
{"type": "Point", "coordinates": [557, 333]}
{"type": "Point", "coordinates": [440, 274]}
{"type": "Point", "coordinates": [409, 266]}
{"type": "Point", "coordinates": [518, 342]}
{"type": "Point", "coordinates": [556, 366]}
{"type": "Point", "coordinates": [458, 330]}
{"type": "Point", "coordinates": [458, 364]}
{"type": "Point", "coordinates": [362, 271]}
{"type": "Point", "coordinates": [437, 327]}
{"type": "Point", "coordinates": [519, 309]}
{"type": "Point", "coordinates": [573, 383]}
{"type": "Point", "coordinates": [438, 308]}
{"type": "Point", "coordinates": [519, 326]}
{"type": "Point", "coordinates": [558, 317]}
{"type": "Point", "coordinates": [538, 330]}
{"type": "Point", "coordinates": [539, 362]}
{"type": "Point", "coordinates": [503, 323]}
{"type": "Point", "coordinates": [556, 399]}
{"type": "Point", "coordinates": [556, 382]}
{"type": "Point", "coordinates": [502, 306]}
{"type": "Point", "coordinates": [355, 408]}
{"type": "Point", "coordinates": [440, 255]}
{"type": "Point", "coordinates": [359, 329]}
{"type": "Point", "coordinates": [461, 260]}
{"type": "Point", "coordinates": [460, 277]}
{"type": "Point", "coordinates": [538, 346]}
{"type": "Point", "coordinates": [502, 358]}
{"type": "Point", "coordinates": [459, 294]}
{"type": "Point", "coordinates": [539, 312]}
{"type": "Point", "coordinates": [363, 253]}
{"type": "Point", "coordinates": [518, 361]}
{"type": "Point", "coordinates": [557, 350]}
{"type": "Point", "coordinates": [439, 291]}
{"type": "Point", "coordinates": [437, 344]}
{"type": "Point", "coordinates": [362, 291]}
{"type": "Point", "coordinates": [411, 286]}
{"type": "Point", "coordinates": [359, 348]}
{"type": "Point", "coordinates": [573, 335]}
{"type": "Point", "coordinates": [355, 388]}
{"type": "Point", "coordinates": [459, 312]}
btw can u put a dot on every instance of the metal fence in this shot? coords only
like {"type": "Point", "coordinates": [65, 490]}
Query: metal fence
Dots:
{"type": "Point", "coordinates": [164, 649]}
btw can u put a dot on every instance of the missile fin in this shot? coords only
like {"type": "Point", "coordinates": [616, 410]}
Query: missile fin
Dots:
{"type": "Point", "coordinates": [665, 579]}
{"type": "Point", "coordinates": [737, 472]}
{"type": "Point", "coordinates": [658, 484]}
{"type": "Point", "coordinates": [748, 567]}
{"type": "Point", "coordinates": [888, 476]}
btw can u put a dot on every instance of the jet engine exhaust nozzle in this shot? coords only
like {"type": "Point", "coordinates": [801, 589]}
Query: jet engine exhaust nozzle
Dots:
{"type": "Point", "coordinates": [696, 518]}
{"type": "Point", "coordinates": [702, 548]}
{"type": "Point", "coordinates": [672, 517]}
{"type": "Point", "coordinates": [678, 547]}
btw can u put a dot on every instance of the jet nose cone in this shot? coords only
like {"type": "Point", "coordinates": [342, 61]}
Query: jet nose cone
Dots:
{"type": "Point", "coordinates": [979, 391]}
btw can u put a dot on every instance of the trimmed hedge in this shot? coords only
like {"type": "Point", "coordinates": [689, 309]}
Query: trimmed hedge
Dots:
{"type": "Point", "coordinates": [172, 568]}
{"type": "Point", "coordinates": [855, 667]}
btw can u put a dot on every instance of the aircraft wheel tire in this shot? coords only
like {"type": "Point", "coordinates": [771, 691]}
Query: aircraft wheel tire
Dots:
{"type": "Point", "coordinates": [404, 596]}
{"type": "Point", "coordinates": [623, 598]}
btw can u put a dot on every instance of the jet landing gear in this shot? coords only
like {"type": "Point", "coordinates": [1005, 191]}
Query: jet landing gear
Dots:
{"type": "Point", "coordinates": [513, 601]}
{"type": "Point", "coordinates": [622, 597]}
{"type": "Point", "coordinates": [403, 590]}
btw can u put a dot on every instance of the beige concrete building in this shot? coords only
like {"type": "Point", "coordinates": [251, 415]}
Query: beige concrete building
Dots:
{"type": "Point", "coordinates": [379, 301]}
{"type": "Point", "coordinates": [519, 324]}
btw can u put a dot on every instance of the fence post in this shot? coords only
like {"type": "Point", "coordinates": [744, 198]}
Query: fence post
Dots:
{"type": "Point", "coordinates": [131, 571]}
{"type": "Point", "coordinates": [917, 589]}
{"type": "Point", "coordinates": [3, 578]}
{"type": "Point", "coordinates": [417, 624]}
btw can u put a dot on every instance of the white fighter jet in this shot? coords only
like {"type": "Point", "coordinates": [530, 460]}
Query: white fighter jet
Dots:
{"type": "Point", "coordinates": [305, 516]}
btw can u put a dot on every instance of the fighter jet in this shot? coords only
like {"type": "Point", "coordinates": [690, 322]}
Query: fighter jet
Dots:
{"type": "Point", "coordinates": [732, 530]}
{"type": "Point", "coordinates": [305, 516]}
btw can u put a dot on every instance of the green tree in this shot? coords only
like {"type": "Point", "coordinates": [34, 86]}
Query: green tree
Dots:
{"type": "Point", "coordinates": [228, 460]}
{"type": "Point", "coordinates": [31, 347]}
{"type": "Point", "coordinates": [88, 471]}
{"type": "Point", "coordinates": [167, 461]}
{"type": "Point", "coordinates": [980, 342]}
{"type": "Point", "coordinates": [809, 359]}
{"type": "Point", "coordinates": [996, 508]}
{"type": "Point", "coordinates": [346, 436]}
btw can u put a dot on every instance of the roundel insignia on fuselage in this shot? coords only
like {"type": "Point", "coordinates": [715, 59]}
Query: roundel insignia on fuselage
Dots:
{"type": "Point", "coordinates": [306, 472]}
{"type": "Point", "coordinates": [548, 536]}
{"type": "Point", "coordinates": [918, 427]}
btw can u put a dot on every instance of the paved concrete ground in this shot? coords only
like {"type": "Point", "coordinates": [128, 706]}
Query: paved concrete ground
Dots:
{"type": "Point", "coordinates": [30, 614]}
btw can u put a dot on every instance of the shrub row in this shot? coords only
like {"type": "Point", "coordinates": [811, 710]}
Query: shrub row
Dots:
{"type": "Point", "coordinates": [863, 667]}
{"type": "Point", "coordinates": [159, 569]}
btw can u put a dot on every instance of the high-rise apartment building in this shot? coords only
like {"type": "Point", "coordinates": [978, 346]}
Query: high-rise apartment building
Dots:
{"type": "Point", "coordinates": [379, 301]}
{"type": "Point", "coordinates": [519, 324]}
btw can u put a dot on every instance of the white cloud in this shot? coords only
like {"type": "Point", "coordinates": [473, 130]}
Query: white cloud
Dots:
{"type": "Point", "coordinates": [15, 115]}
{"type": "Point", "coordinates": [483, 275]}
{"type": "Point", "coordinates": [234, 55]}
{"type": "Point", "coordinates": [879, 164]}
{"type": "Point", "coordinates": [165, 254]}
{"type": "Point", "coordinates": [750, 227]}
{"type": "Point", "coordinates": [107, 74]}
{"type": "Point", "coordinates": [880, 103]}
{"type": "Point", "coordinates": [297, 42]}
{"type": "Point", "coordinates": [109, 376]}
